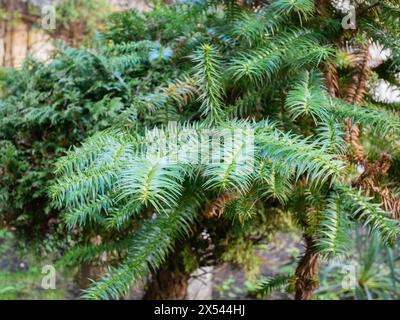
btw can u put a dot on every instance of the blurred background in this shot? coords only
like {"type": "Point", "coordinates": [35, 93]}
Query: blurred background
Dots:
{"type": "Point", "coordinates": [22, 34]}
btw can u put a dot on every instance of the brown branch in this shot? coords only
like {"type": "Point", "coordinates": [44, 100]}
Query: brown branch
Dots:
{"type": "Point", "coordinates": [355, 94]}
{"type": "Point", "coordinates": [369, 179]}
{"type": "Point", "coordinates": [307, 272]}
{"type": "Point", "coordinates": [369, 182]}
{"type": "Point", "coordinates": [331, 79]}
{"type": "Point", "coordinates": [216, 207]}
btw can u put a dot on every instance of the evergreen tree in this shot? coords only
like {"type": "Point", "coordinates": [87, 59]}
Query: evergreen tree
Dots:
{"type": "Point", "coordinates": [310, 142]}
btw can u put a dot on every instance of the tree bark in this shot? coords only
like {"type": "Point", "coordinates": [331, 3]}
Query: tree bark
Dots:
{"type": "Point", "coordinates": [92, 271]}
{"type": "Point", "coordinates": [88, 272]}
{"type": "Point", "coordinates": [306, 272]}
{"type": "Point", "coordinates": [168, 283]}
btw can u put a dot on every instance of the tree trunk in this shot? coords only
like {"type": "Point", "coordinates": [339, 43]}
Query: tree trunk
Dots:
{"type": "Point", "coordinates": [168, 283]}
{"type": "Point", "coordinates": [92, 271]}
{"type": "Point", "coordinates": [88, 272]}
{"type": "Point", "coordinates": [306, 272]}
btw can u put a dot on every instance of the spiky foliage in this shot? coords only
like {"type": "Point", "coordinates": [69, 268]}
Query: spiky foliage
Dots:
{"type": "Point", "coordinates": [307, 97]}
{"type": "Point", "coordinates": [148, 249]}
{"type": "Point", "coordinates": [46, 107]}
{"type": "Point", "coordinates": [332, 233]}
{"type": "Point", "coordinates": [371, 215]}
{"type": "Point", "coordinates": [308, 162]}
{"type": "Point", "coordinates": [222, 131]}
{"type": "Point", "coordinates": [208, 75]}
